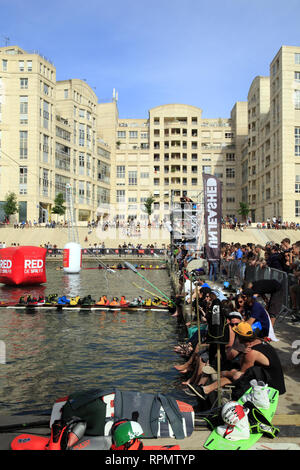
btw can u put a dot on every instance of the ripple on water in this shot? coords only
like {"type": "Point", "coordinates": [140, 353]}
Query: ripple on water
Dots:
{"type": "Point", "coordinates": [51, 354]}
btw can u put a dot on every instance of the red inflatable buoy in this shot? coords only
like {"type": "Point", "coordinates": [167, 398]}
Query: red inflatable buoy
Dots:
{"type": "Point", "coordinates": [23, 265]}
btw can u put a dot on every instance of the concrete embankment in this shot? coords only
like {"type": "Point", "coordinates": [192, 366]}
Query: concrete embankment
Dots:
{"type": "Point", "coordinates": [112, 238]}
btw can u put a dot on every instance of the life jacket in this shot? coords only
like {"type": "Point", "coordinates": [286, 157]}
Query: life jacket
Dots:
{"type": "Point", "coordinates": [64, 434]}
{"type": "Point", "coordinates": [115, 301]}
{"type": "Point", "coordinates": [103, 300]}
{"type": "Point", "coordinates": [74, 300]}
{"type": "Point", "coordinates": [87, 300]}
{"type": "Point", "coordinates": [51, 299]}
{"type": "Point", "coordinates": [22, 300]}
{"type": "Point", "coordinates": [148, 302]}
{"type": "Point", "coordinates": [156, 302]}
{"type": "Point", "coordinates": [63, 300]}
{"type": "Point", "coordinates": [123, 300]}
{"type": "Point", "coordinates": [136, 444]}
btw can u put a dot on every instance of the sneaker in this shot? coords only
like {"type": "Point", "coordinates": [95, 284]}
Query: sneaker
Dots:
{"type": "Point", "coordinates": [259, 395]}
{"type": "Point", "coordinates": [208, 370]}
{"type": "Point", "coordinates": [198, 390]}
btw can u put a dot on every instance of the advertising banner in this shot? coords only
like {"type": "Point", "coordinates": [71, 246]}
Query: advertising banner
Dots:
{"type": "Point", "coordinates": [212, 216]}
{"type": "Point", "coordinates": [23, 265]}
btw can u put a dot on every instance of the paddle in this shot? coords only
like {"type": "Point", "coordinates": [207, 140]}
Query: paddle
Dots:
{"type": "Point", "coordinates": [130, 266]}
{"type": "Point", "coordinates": [12, 427]}
{"type": "Point", "coordinates": [148, 291]}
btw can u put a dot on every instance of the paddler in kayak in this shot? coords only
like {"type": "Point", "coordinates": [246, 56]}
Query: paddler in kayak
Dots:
{"type": "Point", "coordinates": [103, 301]}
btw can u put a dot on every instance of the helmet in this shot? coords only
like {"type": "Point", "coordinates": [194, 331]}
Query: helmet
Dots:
{"type": "Point", "coordinates": [124, 431]}
{"type": "Point", "coordinates": [232, 412]}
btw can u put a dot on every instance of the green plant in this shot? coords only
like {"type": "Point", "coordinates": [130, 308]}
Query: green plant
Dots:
{"type": "Point", "coordinates": [244, 210]}
{"type": "Point", "coordinates": [59, 207]}
{"type": "Point", "coordinates": [148, 206]}
{"type": "Point", "coordinates": [10, 205]}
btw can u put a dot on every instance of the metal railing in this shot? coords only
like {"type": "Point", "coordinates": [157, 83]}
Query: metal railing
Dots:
{"type": "Point", "coordinates": [239, 272]}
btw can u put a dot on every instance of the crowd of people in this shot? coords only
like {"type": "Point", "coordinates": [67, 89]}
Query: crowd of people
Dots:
{"type": "Point", "coordinates": [271, 223]}
{"type": "Point", "coordinates": [241, 322]}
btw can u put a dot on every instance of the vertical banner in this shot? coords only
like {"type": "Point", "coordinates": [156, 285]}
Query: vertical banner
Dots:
{"type": "Point", "coordinates": [212, 216]}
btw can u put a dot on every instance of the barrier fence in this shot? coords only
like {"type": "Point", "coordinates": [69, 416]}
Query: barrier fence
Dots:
{"type": "Point", "coordinates": [240, 272]}
{"type": "Point", "coordinates": [115, 251]}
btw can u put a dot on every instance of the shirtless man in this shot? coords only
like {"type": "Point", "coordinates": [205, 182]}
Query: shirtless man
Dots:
{"type": "Point", "coordinates": [256, 353]}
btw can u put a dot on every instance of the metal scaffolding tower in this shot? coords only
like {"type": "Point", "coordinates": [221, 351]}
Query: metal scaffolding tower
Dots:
{"type": "Point", "coordinates": [72, 228]}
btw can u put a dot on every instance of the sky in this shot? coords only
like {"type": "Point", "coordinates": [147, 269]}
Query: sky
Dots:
{"type": "Point", "coordinates": [154, 52]}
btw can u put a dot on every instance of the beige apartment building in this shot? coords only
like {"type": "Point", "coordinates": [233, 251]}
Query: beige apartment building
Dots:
{"type": "Point", "coordinates": [55, 133]}
{"type": "Point", "coordinates": [270, 154]}
{"type": "Point", "coordinates": [165, 155]}
{"type": "Point", "coordinates": [48, 139]}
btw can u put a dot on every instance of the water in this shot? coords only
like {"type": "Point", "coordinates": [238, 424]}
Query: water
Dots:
{"type": "Point", "coordinates": [51, 354]}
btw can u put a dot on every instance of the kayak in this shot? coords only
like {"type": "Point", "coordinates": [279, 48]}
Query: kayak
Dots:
{"type": "Point", "coordinates": [124, 267]}
{"type": "Point", "coordinates": [92, 307]}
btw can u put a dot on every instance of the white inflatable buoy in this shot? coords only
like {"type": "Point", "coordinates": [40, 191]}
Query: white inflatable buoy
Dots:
{"type": "Point", "coordinates": [72, 258]}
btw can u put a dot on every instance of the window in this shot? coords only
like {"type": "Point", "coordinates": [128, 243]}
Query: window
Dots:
{"type": "Point", "coordinates": [121, 134]}
{"type": "Point", "coordinates": [230, 157]}
{"type": "Point", "coordinates": [297, 184]}
{"type": "Point", "coordinates": [297, 208]}
{"type": "Point", "coordinates": [81, 135]}
{"type": "Point", "coordinates": [23, 145]}
{"type": "Point", "coordinates": [206, 169]}
{"type": "Point", "coordinates": [297, 58]}
{"type": "Point", "coordinates": [133, 134]}
{"type": "Point", "coordinates": [45, 148]}
{"type": "Point", "coordinates": [81, 159]}
{"type": "Point", "coordinates": [297, 76]}
{"type": "Point", "coordinates": [24, 105]}
{"type": "Point", "coordinates": [23, 180]}
{"type": "Point", "coordinates": [23, 83]}
{"type": "Point", "coordinates": [4, 65]}
{"type": "Point", "coordinates": [228, 135]}
{"type": "Point", "coordinates": [230, 172]}
{"type": "Point", "coordinates": [120, 195]}
{"type": "Point", "coordinates": [81, 192]}
{"type": "Point", "coordinates": [144, 174]}
{"type": "Point", "coordinates": [194, 181]}
{"type": "Point", "coordinates": [21, 65]}
{"type": "Point", "coordinates": [45, 182]}
{"type": "Point", "coordinates": [297, 99]}
{"type": "Point", "coordinates": [46, 114]}
{"type": "Point", "coordinates": [230, 199]}
{"type": "Point", "coordinates": [132, 178]}
{"type": "Point", "coordinates": [23, 109]}
{"type": "Point", "coordinates": [297, 141]}
{"type": "Point", "coordinates": [29, 65]}
{"type": "Point", "coordinates": [121, 171]}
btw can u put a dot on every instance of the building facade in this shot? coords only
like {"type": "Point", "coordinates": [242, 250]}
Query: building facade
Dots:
{"type": "Point", "coordinates": [48, 139]}
{"type": "Point", "coordinates": [56, 133]}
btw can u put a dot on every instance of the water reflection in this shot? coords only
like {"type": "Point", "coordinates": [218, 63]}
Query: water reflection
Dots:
{"type": "Point", "coordinates": [50, 354]}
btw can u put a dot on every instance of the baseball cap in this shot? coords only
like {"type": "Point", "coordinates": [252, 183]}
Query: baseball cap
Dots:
{"type": "Point", "coordinates": [243, 329]}
{"type": "Point", "coordinates": [235, 315]}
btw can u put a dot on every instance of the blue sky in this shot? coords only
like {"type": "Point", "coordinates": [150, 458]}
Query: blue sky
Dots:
{"type": "Point", "coordinates": [154, 52]}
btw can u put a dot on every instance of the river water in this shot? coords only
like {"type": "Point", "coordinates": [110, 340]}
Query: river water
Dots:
{"type": "Point", "coordinates": [50, 354]}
